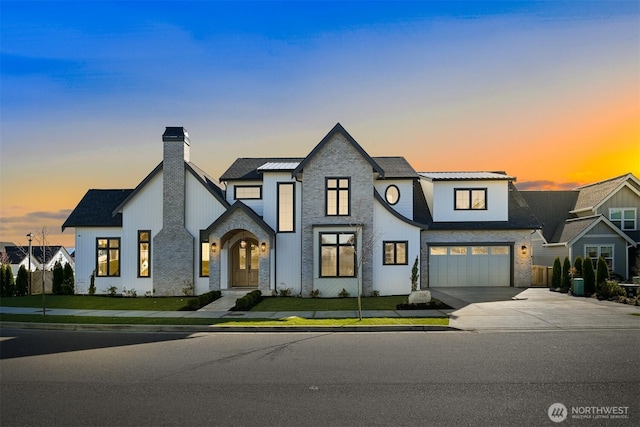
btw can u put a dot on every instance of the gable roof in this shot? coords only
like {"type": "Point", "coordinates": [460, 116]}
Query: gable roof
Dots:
{"type": "Point", "coordinates": [551, 208]}
{"type": "Point", "coordinates": [591, 196]}
{"type": "Point", "coordinates": [96, 209]}
{"type": "Point", "coordinates": [246, 168]}
{"type": "Point", "coordinates": [239, 206]}
{"type": "Point", "coordinates": [338, 129]}
{"type": "Point", "coordinates": [17, 254]}
{"type": "Point", "coordinates": [574, 229]}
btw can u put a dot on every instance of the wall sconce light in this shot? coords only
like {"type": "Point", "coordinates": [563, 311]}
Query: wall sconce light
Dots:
{"type": "Point", "coordinates": [263, 246]}
{"type": "Point", "coordinates": [524, 250]}
{"type": "Point", "coordinates": [214, 246]}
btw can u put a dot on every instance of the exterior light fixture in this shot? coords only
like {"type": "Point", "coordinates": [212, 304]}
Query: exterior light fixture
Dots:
{"type": "Point", "coordinates": [524, 250]}
{"type": "Point", "coordinates": [263, 246]}
{"type": "Point", "coordinates": [243, 243]}
{"type": "Point", "coordinates": [214, 246]}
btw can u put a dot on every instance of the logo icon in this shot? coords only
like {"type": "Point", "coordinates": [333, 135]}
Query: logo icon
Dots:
{"type": "Point", "coordinates": [557, 412]}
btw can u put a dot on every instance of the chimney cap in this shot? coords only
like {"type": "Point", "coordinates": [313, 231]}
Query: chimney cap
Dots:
{"type": "Point", "coordinates": [175, 133]}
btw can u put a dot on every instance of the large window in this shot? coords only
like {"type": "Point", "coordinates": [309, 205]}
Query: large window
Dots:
{"type": "Point", "coordinates": [395, 253]}
{"type": "Point", "coordinates": [623, 218]}
{"type": "Point", "coordinates": [144, 253]}
{"type": "Point", "coordinates": [337, 197]}
{"type": "Point", "coordinates": [337, 255]}
{"type": "Point", "coordinates": [247, 192]}
{"type": "Point", "coordinates": [204, 254]}
{"type": "Point", "coordinates": [470, 198]}
{"type": "Point", "coordinates": [594, 252]}
{"type": "Point", "coordinates": [108, 257]}
{"type": "Point", "coordinates": [286, 207]}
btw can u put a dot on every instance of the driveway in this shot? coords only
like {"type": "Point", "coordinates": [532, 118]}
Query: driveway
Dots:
{"type": "Point", "coordinates": [487, 309]}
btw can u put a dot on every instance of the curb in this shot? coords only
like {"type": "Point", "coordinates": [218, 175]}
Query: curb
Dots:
{"type": "Point", "coordinates": [217, 328]}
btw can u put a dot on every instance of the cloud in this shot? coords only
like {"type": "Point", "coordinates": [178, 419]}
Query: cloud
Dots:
{"type": "Point", "coordinates": [544, 184]}
{"type": "Point", "coordinates": [15, 228]}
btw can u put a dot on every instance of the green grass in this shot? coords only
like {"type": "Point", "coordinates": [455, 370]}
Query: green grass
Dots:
{"type": "Point", "coordinates": [87, 302]}
{"type": "Point", "coordinates": [328, 304]}
{"type": "Point", "coordinates": [290, 321]}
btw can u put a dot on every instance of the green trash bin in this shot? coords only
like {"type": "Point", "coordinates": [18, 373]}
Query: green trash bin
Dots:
{"type": "Point", "coordinates": [578, 287]}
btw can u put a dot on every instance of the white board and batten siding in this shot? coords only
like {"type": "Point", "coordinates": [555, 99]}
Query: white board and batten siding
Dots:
{"type": "Point", "coordinates": [443, 206]}
{"type": "Point", "coordinates": [404, 206]}
{"type": "Point", "coordinates": [86, 238]}
{"type": "Point", "coordinates": [256, 204]}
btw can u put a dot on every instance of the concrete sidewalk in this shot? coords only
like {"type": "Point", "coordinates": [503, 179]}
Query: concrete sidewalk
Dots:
{"type": "Point", "coordinates": [473, 309]}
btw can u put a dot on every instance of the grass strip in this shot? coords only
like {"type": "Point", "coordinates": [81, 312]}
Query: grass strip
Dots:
{"type": "Point", "coordinates": [98, 302]}
{"type": "Point", "coordinates": [328, 304]}
{"type": "Point", "coordinates": [289, 321]}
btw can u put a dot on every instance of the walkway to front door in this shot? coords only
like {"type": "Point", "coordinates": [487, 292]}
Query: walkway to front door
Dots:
{"type": "Point", "coordinates": [245, 263]}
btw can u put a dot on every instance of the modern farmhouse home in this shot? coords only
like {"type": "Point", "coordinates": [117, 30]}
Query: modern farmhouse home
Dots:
{"type": "Point", "coordinates": [334, 219]}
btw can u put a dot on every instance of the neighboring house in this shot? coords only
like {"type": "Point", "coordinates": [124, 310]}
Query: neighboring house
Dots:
{"type": "Point", "coordinates": [599, 219]}
{"type": "Point", "coordinates": [335, 219]}
{"type": "Point", "coordinates": [47, 255]}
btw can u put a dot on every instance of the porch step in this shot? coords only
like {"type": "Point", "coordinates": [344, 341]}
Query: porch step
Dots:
{"type": "Point", "coordinates": [227, 301]}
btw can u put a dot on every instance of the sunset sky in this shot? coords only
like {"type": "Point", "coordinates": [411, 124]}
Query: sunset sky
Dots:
{"type": "Point", "coordinates": [546, 91]}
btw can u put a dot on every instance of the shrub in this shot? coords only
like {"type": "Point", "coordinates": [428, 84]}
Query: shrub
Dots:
{"type": "Point", "coordinates": [375, 293]}
{"type": "Point", "coordinates": [602, 272]}
{"type": "Point", "coordinates": [556, 276]}
{"type": "Point", "coordinates": [578, 266]}
{"type": "Point", "coordinates": [565, 284]}
{"type": "Point", "coordinates": [589, 277]}
{"type": "Point", "coordinates": [343, 293]}
{"type": "Point", "coordinates": [414, 276]}
{"type": "Point", "coordinates": [248, 301]}
{"type": "Point", "coordinates": [315, 293]}
{"type": "Point", "coordinates": [9, 285]}
{"type": "Point", "coordinates": [58, 278]}
{"type": "Point", "coordinates": [112, 291]}
{"type": "Point", "coordinates": [199, 301]}
{"type": "Point", "coordinates": [611, 289]}
{"type": "Point", "coordinates": [22, 282]}
{"type": "Point", "coordinates": [285, 292]}
{"type": "Point", "coordinates": [68, 282]}
{"type": "Point", "coordinates": [92, 283]}
{"type": "Point", "coordinates": [3, 290]}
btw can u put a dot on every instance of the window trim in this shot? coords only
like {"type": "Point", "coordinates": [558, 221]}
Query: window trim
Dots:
{"type": "Point", "coordinates": [235, 192]}
{"type": "Point", "coordinates": [148, 242]}
{"type": "Point", "coordinates": [622, 219]}
{"type": "Point", "coordinates": [338, 245]}
{"type": "Point", "coordinates": [108, 249]}
{"type": "Point", "coordinates": [599, 248]}
{"type": "Point", "coordinates": [293, 211]}
{"type": "Point", "coordinates": [338, 190]}
{"type": "Point", "coordinates": [470, 190]}
{"type": "Point", "coordinates": [395, 244]}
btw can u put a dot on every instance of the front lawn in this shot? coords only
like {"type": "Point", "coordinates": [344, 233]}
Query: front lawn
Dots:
{"type": "Point", "coordinates": [328, 304]}
{"type": "Point", "coordinates": [88, 302]}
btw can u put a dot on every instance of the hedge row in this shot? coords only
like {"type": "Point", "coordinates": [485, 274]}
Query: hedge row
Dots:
{"type": "Point", "coordinates": [246, 302]}
{"type": "Point", "coordinates": [200, 301]}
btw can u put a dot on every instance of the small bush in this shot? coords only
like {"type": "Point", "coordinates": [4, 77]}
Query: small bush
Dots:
{"type": "Point", "coordinates": [343, 293]}
{"type": "Point", "coordinates": [285, 292]}
{"type": "Point", "coordinates": [611, 289]}
{"type": "Point", "coordinates": [22, 282]}
{"type": "Point", "coordinates": [578, 266]}
{"type": "Point", "coordinates": [112, 291]}
{"type": "Point", "coordinates": [375, 293]}
{"type": "Point", "coordinates": [589, 277]}
{"type": "Point", "coordinates": [565, 284]}
{"type": "Point", "coordinates": [602, 272]}
{"type": "Point", "coordinates": [246, 302]}
{"type": "Point", "coordinates": [556, 276]}
{"type": "Point", "coordinates": [315, 293]}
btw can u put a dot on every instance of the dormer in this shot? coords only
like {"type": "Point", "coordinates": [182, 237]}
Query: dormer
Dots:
{"type": "Point", "coordinates": [467, 196]}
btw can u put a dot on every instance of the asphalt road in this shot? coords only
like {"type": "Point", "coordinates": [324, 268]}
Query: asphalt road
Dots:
{"type": "Point", "coordinates": [317, 379]}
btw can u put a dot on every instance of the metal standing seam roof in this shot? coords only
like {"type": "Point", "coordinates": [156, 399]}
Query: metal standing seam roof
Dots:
{"type": "Point", "coordinates": [461, 176]}
{"type": "Point", "coordinates": [278, 166]}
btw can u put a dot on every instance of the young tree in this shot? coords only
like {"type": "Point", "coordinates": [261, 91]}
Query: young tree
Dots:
{"type": "Point", "coordinates": [58, 278]}
{"type": "Point", "coordinates": [68, 282]}
{"type": "Point", "coordinates": [22, 282]}
{"type": "Point", "coordinates": [566, 274]}
{"type": "Point", "coordinates": [556, 276]}
{"type": "Point", "coordinates": [578, 266]}
{"type": "Point", "coordinates": [589, 277]}
{"type": "Point", "coordinates": [414, 276]}
{"type": "Point", "coordinates": [602, 272]}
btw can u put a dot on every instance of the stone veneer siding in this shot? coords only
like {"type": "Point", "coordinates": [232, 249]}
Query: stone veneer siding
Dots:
{"type": "Point", "coordinates": [173, 246]}
{"type": "Point", "coordinates": [337, 158]}
{"type": "Point", "coordinates": [517, 238]}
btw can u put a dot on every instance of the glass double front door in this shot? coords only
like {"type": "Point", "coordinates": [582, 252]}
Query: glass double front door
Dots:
{"type": "Point", "coordinates": [245, 261]}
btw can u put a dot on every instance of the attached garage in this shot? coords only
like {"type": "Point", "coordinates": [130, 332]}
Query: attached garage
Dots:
{"type": "Point", "coordinates": [470, 265]}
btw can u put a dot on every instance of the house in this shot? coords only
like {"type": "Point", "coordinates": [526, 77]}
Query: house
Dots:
{"type": "Point", "coordinates": [591, 221]}
{"type": "Point", "coordinates": [334, 219]}
{"type": "Point", "coordinates": [18, 256]}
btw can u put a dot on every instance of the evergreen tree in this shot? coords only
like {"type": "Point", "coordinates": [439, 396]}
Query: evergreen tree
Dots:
{"type": "Point", "coordinates": [578, 265]}
{"type": "Point", "coordinates": [602, 272]}
{"type": "Point", "coordinates": [3, 288]}
{"type": "Point", "coordinates": [22, 282]}
{"type": "Point", "coordinates": [566, 275]}
{"type": "Point", "coordinates": [9, 283]}
{"type": "Point", "coordinates": [589, 277]}
{"type": "Point", "coordinates": [556, 276]}
{"type": "Point", "coordinates": [68, 283]}
{"type": "Point", "coordinates": [58, 278]}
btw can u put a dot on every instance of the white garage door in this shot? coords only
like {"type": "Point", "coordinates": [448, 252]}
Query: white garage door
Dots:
{"type": "Point", "coordinates": [469, 266]}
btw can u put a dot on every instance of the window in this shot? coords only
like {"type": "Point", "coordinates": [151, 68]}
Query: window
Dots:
{"type": "Point", "coordinates": [337, 255]}
{"type": "Point", "coordinates": [204, 254]}
{"type": "Point", "coordinates": [500, 250]}
{"type": "Point", "coordinates": [623, 218]}
{"type": "Point", "coordinates": [144, 253]}
{"type": "Point", "coordinates": [108, 257]}
{"type": "Point", "coordinates": [392, 195]}
{"type": "Point", "coordinates": [594, 252]}
{"type": "Point", "coordinates": [438, 250]}
{"type": "Point", "coordinates": [395, 253]}
{"type": "Point", "coordinates": [458, 250]}
{"type": "Point", "coordinates": [479, 250]}
{"type": "Point", "coordinates": [247, 192]}
{"type": "Point", "coordinates": [286, 207]}
{"type": "Point", "coordinates": [337, 197]}
{"type": "Point", "coordinates": [470, 198]}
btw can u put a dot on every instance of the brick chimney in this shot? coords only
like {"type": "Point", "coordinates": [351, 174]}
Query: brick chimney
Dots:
{"type": "Point", "coordinates": [173, 246]}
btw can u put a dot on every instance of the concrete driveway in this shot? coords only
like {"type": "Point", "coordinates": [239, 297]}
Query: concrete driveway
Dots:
{"type": "Point", "coordinates": [492, 309]}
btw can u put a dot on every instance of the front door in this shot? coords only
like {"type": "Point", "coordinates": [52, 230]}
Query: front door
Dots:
{"type": "Point", "coordinates": [245, 262]}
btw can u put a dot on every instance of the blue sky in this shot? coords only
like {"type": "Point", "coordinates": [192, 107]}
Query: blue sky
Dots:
{"type": "Point", "coordinates": [532, 88]}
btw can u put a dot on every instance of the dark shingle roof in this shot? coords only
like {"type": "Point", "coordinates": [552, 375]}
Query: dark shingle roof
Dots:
{"type": "Point", "coordinates": [247, 168]}
{"type": "Point", "coordinates": [593, 194]}
{"type": "Point", "coordinates": [396, 167]}
{"type": "Point", "coordinates": [96, 209]}
{"type": "Point", "coordinates": [551, 208]}
{"type": "Point", "coordinates": [572, 228]}
{"type": "Point", "coordinates": [18, 253]}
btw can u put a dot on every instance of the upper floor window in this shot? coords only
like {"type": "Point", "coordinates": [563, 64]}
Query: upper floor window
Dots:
{"type": "Point", "coordinates": [247, 192]}
{"type": "Point", "coordinates": [144, 253]}
{"type": "Point", "coordinates": [392, 194]}
{"type": "Point", "coordinates": [286, 207]}
{"type": "Point", "coordinates": [470, 198]}
{"type": "Point", "coordinates": [337, 255]}
{"type": "Point", "coordinates": [108, 257]}
{"type": "Point", "coordinates": [395, 253]}
{"type": "Point", "coordinates": [337, 196]}
{"type": "Point", "coordinates": [623, 218]}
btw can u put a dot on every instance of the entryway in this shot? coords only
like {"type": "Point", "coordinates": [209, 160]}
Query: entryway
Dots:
{"type": "Point", "coordinates": [245, 261]}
